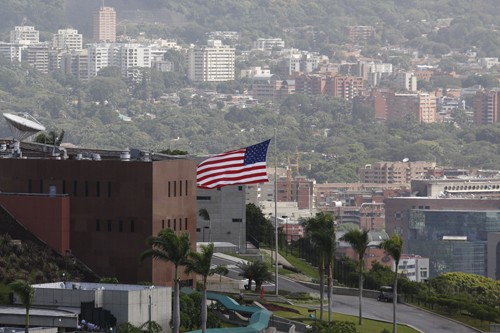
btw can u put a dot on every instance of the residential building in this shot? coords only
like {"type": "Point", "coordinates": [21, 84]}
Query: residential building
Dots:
{"type": "Point", "coordinates": [98, 55]}
{"type": "Point", "coordinates": [104, 25]}
{"type": "Point", "coordinates": [211, 63]}
{"type": "Point", "coordinates": [346, 87]}
{"type": "Point", "coordinates": [37, 56]}
{"type": "Point", "coordinates": [131, 58]}
{"type": "Point", "coordinates": [267, 44]}
{"type": "Point", "coordinates": [11, 52]}
{"type": "Point", "coordinates": [406, 81]}
{"type": "Point", "coordinates": [25, 35]}
{"type": "Point", "coordinates": [254, 71]}
{"type": "Point", "coordinates": [393, 172]}
{"type": "Point", "coordinates": [297, 189]}
{"type": "Point", "coordinates": [92, 202]}
{"type": "Point", "coordinates": [454, 233]}
{"type": "Point", "coordinates": [76, 64]}
{"type": "Point", "coordinates": [310, 84]}
{"type": "Point", "coordinates": [67, 39]}
{"type": "Point", "coordinates": [421, 105]}
{"type": "Point", "coordinates": [373, 252]}
{"type": "Point", "coordinates": [487, 107]}
{"type": "Point", "coordinates": [267, 87]}
{"type": "Point", "coordinates": [358, 33]}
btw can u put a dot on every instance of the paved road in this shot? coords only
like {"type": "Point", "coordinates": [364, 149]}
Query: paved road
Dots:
{"type": "Point", "coordinates": [422, 320]}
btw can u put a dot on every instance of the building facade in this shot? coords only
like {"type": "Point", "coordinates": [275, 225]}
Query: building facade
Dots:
{"type": "Point", "coordinates": [67, 39]}
{"type": "Point", "coordinates": [487, 107]}
{"type": "Point", "coordinates": [212, 63]}
{"type": "Point", "coordinates": [26, 35]}
{"type": "Point", "coordinates": [393, 172]}
{"type": "Point", "coordinates": [104, 25]}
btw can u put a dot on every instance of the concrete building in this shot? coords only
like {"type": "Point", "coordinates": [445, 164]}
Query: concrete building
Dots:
{"type": "Point", "coordinates": [267, 44]}
{"type": "Point", "coordinates": [358, 33]}
{"type": "Point", "coordinates": [107, 305]}
{"type": "Point", "coordinates": [98, 58]}
{"type": "Point", "coordinates": [310, 84]}
{"type": "Point", "coordinates": [37, 57]}
{"type": "Point", "coordinates": [67, 39]}
{"type": "Point", "coordinates": [131, 58]}
{"type": "Point", "coordinates": [211, 63]}
{"type": "Point", "coordinates": [494, 255]}
{"type": "Point", "coordinates": [11, 52]}
{"type": "Point", "coordinates": [413, 267]}
{"type": "Point", "coordinates": [254, 71]}
{"type": "Point", "coordinates": [268, 87]}
{"type": "Point", "coordinates": [26, 35]}
{"type": "Point", "coordinates": [393, 172]}
{"type": "Point", "coordinates": [487, 107]}
{"type": "Point", "coordinates": [226, 207]}
{"type": "Point", "coordinates": [104, 25]}
{"type": "Point", "coordinates": [76, 64]}
{"type": "Point", "coordinates": [406, 81]}
{"type": "Point", "coordinates": [421, 105]}
{"type": "Point", "coordinates": [454, 233]}
{"type": "Point", "coordinates": [459, 188]}
{"type": "Point", "coordinates": [93, 202]}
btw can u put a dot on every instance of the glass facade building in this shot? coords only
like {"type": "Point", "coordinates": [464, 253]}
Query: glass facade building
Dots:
{"type": "Point", "coordinates": [454, 241]}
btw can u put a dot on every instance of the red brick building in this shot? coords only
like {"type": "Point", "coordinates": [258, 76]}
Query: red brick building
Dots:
{"type": "Point", "coordinates": [103, 210]}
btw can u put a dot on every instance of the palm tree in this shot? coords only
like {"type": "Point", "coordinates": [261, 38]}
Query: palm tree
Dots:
{"type": "Point", "coordinates": [169, 247]}
{"type": "Point", "coordinates": [393, 247]}
{"type": "Point", "coordinates": [358, 239]}
{"type": "Point", "coordinates": [200, 263]}
{"type": "Point", "coordinates": [221, 270]}
{"type": "Point", "coordinates": [26, 293]}
{"type": "Point", "coordinates": [203, 213]}
{"type": "Point", "coordinates": [255, 270]}
{"type": "Point", "coordinates": [320, 229]}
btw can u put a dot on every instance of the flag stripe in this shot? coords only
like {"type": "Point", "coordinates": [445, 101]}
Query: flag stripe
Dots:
{"type": "Point", "coordinates": [240, 166]}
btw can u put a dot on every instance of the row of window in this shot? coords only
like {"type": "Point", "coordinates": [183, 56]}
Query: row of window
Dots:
{"type": "Point", "coordinates": [177, 184]}
{"type": "Point", "coordinates": [174, 223]}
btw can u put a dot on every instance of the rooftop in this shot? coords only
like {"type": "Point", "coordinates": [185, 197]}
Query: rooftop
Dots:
{"type": "Point", "coordinates": [93, 286]}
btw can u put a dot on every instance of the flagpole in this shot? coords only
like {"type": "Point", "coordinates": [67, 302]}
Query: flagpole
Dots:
{"type": "Point", "coordinates": [276, 211]}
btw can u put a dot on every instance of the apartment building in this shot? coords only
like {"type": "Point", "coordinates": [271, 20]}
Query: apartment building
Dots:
{"type": "Point", "coordinates": [211, 63]}
{"type": "Point", "coordinates": [421, 105]}
{"type": "Point", "coordinates": [26, 35]}
{"type": "Point", "coordinates": [104, 25]}
{"type": "Point", "coordinates": [358, 33]}
{"type": "Point", "coordinates": [393, 172]}
{"type": "Point", "coordinates": [487, 107]}
{"type": "Point", "coordinates": [76, 64]}
{"type": "Point", "coordinates": [267, 44]}
{"type": "Point", "coordinates": [346, 87]}
{"type": "Point", "coordinates": [406, 81]}
{"type": "Point", "coordinates": [98, 58]}
{"type": "Point", "coordinates": [67, 39]}
{"type": "Point", "coordinates": [310, 84]}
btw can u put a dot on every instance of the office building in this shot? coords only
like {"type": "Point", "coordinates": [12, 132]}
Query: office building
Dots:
{"type": "Point", "coordinates": [101, 205]}
{"type": "Point", "coordinates": [211, 63]}
{"type": "Point", "coordinates": [487, 107]}
{"type": "Point", "coordinates": [413, 267]}
{"type": "Point", "coordinates": [104, 25]}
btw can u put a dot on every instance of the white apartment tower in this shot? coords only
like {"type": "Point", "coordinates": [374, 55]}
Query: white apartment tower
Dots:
{"type": "Point", "coordinates": [67, 39]}
{"type": "Point", "coordinates": [211, 63]}
{"type": "Point", "coordinates": [130, 58]}
{"type": "Point", "coordinates": [104, 24]}
{"type": "Point", "coordinates": [24, 35]}
{"type": "Point", "coordinates": [98, 58]}
{"type": "Point", "coordinates": [406, 81]}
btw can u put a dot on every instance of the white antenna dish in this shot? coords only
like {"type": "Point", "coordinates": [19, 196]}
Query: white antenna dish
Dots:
{"type": "Point", "coordinates": [22, 127]}
{"type": "Point", "coordinates": [406, 159]}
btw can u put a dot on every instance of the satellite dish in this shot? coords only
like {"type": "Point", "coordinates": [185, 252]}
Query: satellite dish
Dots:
{"type": "Point", "coordinates": [22, 127]}
{"type": "Point", "coordinates": [406, 159]}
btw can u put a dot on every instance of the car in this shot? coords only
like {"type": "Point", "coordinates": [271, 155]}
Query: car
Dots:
{"type": "Point", "coordinates": [386, 294]}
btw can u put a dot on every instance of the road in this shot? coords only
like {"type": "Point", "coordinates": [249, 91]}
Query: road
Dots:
{"type": "Point", "coordinates": [422, 320]}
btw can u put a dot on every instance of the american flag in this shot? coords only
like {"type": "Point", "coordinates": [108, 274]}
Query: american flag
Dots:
{"type": "Point", "coordinates": [241, 166]}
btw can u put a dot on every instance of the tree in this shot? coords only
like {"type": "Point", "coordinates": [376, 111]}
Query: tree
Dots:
{"type": "Point", "coordinates": [393, 247]}
{"type": "Point", "coordinates": [203, 213]}
{"type": "Point", "coordinates": [169, 247]}
{"type": "Point", "coordinates": [320, 229]}
{"type": "Point", "coordinates": [358, 239]}
{"type": "Point", "coordinates": [221, 270]}
{"type": "Point", "coordinates": [25, 292]}
{"type": "Point", "coordinates": [255, 271]}
{"type": "Point", "coordinates": [200, 263]}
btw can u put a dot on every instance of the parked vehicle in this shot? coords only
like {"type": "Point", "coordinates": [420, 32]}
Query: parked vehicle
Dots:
{"type": "Point", "coordinates": [386, 294]}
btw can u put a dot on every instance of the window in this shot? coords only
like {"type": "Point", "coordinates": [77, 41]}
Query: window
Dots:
{"type": "Point", "coordinates": [175, 224]}
{"type": "Point", "coordinates": [109, 225]}
{"type": "Point", "coordinates": [198, 229]}
{"type": "Point", "coordinates": [75, 188]}
{"type": "Point", "coordinates": [237, 220]}
{"type": "Point", "coordinates": [175, 188]}
{"type": "Point", "coordinates": [163, 224]}
{"type": "Point", "coordinates": [120, 226]}
{"type": "Point", "coordinates": [98, 189]}
{"type": "Point", "coordinates": [169, 189]}
{"type": "Point", "coordinates": [180, 188]}
{"type": "Point", "coordinates": [203, 198]}
{"type": "Point", "coordinates": [168, 223]}
{"type": "Point", "coordinates": [97, 225]}
{"type": "Point", "coordinates": [185, 223]}
{"type": "Point", "coordinates": [186, 188]}
{"type": "Point", "coordinates": [240, 188]}
{"type": "Point", "coordinates": [132, 226]}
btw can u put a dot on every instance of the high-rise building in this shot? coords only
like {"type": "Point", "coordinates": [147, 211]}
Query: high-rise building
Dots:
{"type": "Point", "coordinates": [211, 63]}
{"type": "Point", "coordinates": [130, 58]}
{"type": "Point", "coordinates": [393, 172]}
{"type": "Point", "coordinates": [346, 87]}
{"type": "Point", "coordinates": [487, 107]}
{"type": "Point", "coordinates": [67, 39]}
{"type": "Point", "coordinates": [421, 105]}
{"type": "Point", "coordinates": [406, 81]}
{"type": "Point", "coordinates": [24, 35]}
{"type": "Point", "coordinates": [105, 24]}
{"type": "Point", "coordinates": [76, 64]}
{"type": "Point", "coordinates": [98, 58]}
